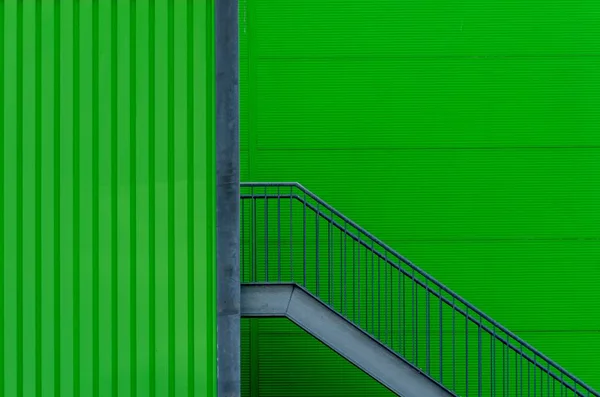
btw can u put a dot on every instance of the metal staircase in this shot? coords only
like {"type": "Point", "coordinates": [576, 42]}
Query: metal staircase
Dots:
{"type": "Point", "coordinates": [436, 342]}
{"type": "Point", "coordinates": [295, 303]}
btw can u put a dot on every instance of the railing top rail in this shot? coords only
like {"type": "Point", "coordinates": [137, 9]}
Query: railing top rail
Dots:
{"type": "Point", "coordinates": [427, 276]}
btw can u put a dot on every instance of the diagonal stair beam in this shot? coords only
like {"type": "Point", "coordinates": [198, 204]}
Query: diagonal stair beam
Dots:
{"type": "Point", "coordinates": [332, 329]}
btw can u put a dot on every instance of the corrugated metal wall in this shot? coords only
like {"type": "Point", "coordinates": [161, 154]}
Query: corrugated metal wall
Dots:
{"type": "Point", "coordinates": [464, 134]}
{"type": "Point", "coordinates": [107, 201]}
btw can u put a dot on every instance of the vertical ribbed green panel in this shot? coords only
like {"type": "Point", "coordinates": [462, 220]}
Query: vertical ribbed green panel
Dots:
{"type": "Point", "coordinates": [107, 198]}
{"type": "Point", "coordinates": [463, 134]}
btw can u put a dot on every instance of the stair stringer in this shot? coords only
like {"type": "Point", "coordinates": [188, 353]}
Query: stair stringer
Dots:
{"type": "Point", "coordinates": [335, 331]}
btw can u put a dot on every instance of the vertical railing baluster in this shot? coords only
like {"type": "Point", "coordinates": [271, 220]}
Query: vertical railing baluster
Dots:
{"type": "Point", "coordinates": [506, 375]}
{"type": "Point", "coordinates": [342, 267]}
{"type": "Point", "coordinates": [541, 381]}
{"type": "Point", "coordinates": [373, 292]}
{"type": "Point", "coordinates": [291, 235]}
{"type": "Point", "coordinates": [480, 359]}
{"type": "Point", "coordinates": [266, 211]}
{"type": "Point", "coordinates": [358, 274]}
{"type": "Point", "coordinates": [391, 334]}
{"type": "Point", "coordinates": [353, 282]}
{"type": "Point", "coordinates": [535, 374]}
{"type": "Point", "coordinates": [404, 308]}
{"type": "Point", "coordinates": [441, 336]}
{"type": "Point", "coordinates": [414, 331]}
{"type": "Point", "coordinates": [467, 351]}
{"type": "Point", "coordinates": [516, 374]}
{"type": "Point", "coordinates": [504, 388]}
{"type": "Point", "coordinates": [400, 303]}
{"type": "Point", "coordinates": [493, 360]}
{"type": "Point", "coordinates": [453, 343]}
{"type": "Point", "coordinates": [304, 231]}
{"type": "Point", "coordinates": [521, 376]}
{"type": "Point", "coordinates": [378, 300]}
{"type": "Point", "coordinates": [330, 258]}
{"type": "Point", "coordinates": [317, 270]}
{"type": "Point", "coordinates": [243, 242]}
{"type": "Point", "coordinates": [528, 379]}
{"type": "Point", "coordinates": [278, 234]}
{"type": "Point", "coordinates": [366, 326]}
{"type": "Point", "coordinates": [385, 272]}
{"type": "Point", "coordinates": [548, 376]}
{"type": "Point", "coordinates": [427, 333]}
{"type": "Point", "coordinates": [254, 243]}
{"type": "Point", "coordinates": [344, 283]}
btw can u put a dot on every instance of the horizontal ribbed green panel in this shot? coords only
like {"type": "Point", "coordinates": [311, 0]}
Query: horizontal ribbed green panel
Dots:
{"type": "Point", "coordinates": [289, 359]}
{"type": "Point", "coordinates": [386, 28]}
{"type": "Point", "coordinates": [425, 103]}
{"type": "Point", "coordinates": [464, 135]}
{"type": "Point", "coordinates": [518, 194]}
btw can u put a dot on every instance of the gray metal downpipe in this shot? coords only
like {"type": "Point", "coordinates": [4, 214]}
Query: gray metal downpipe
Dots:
{"type": "Point", "coordinates": [228, 198]}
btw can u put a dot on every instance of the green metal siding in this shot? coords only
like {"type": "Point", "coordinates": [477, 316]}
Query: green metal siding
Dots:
{"type": "Point", "coordinates": [463, 135]}
{"type": "Point", "coordinates": [107, 202]}
{"type": "Point", "coordinates": [336, 375]}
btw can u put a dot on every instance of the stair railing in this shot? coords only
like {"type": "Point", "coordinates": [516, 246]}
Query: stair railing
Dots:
{"type": "Point", "coordinates": [288, 234]}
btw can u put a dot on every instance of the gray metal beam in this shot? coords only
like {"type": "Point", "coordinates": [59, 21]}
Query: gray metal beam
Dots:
{"type": "Point", "coordinates": [228, 198]}
{"type": "Point", "coordinates": [341, 336]}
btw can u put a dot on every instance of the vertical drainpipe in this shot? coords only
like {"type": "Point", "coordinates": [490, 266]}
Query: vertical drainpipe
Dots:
{"type": "Point", "coordinates": [228, 198]}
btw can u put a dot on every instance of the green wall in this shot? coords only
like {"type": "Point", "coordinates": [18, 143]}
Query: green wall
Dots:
{"type": "Point", "coordinates": [466, 135]}
{"type": "Point", "coordinates": [107, 198]}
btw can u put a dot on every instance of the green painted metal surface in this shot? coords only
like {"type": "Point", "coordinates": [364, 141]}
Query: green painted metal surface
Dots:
{"type": "Point", "coordinates": [336, 376]}
{"type": "Point", "coordinates": [107, 198]}
{"type": "Point", "coordinates": [464, 135]}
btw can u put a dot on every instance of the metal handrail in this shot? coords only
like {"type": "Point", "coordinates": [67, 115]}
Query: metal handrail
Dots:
{"type": "Point", "coordinates": [406, 273]}
{"type": "Point", "coordinates": [470, 311]}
